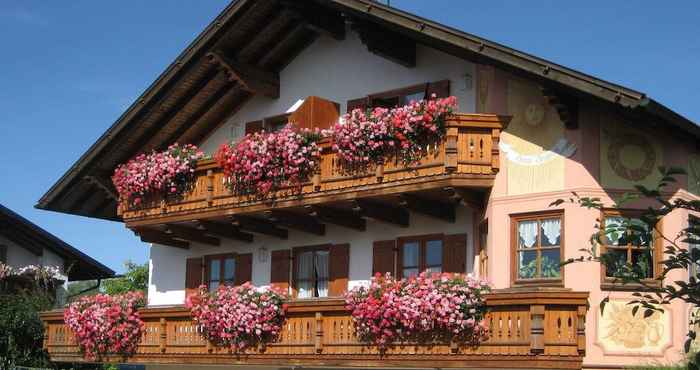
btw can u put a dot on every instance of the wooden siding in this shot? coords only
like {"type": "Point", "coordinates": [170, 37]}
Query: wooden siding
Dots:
{"type": "Point", "coordinates": [528, 329]}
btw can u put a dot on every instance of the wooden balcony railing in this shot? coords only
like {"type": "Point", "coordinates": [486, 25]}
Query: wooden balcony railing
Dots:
{"type": "Point", "coordinates": [469, 157]}
{"type": "Point", "coordinates": [534, 329]}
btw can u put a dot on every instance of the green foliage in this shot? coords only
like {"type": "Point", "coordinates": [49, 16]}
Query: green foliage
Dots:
{"type": "Point", "coordinates": [135, 279]}
{"type": "Point", "coordinates": [650, 298]}
{"type": "Point", "coordinates": [21, 330]}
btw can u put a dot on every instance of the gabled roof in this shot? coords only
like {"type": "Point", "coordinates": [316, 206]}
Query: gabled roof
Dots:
{"type": "Point", "coordinates": [32, 237]}
{"type": "Point", "coordinates": [243, 50]}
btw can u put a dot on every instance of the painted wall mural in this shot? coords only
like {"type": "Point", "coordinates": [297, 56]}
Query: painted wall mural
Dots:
{"type": "Point", "coordinates": [628, 156]}
{"type": "Point", "coordinates": [621, 332]}
{"type": "Point", "coordinates": [534, 144]}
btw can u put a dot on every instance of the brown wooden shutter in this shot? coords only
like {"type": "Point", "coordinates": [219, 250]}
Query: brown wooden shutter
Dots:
{"type": "Point", "coordinates": [193, 274]}
{"type": "Point", "coordinates": [361, 103]}
{"type": "Point", "coordinates": [244, 268]}
{"type": "Point", "coordinates": [454, 253]}
{"type": "Point", "coordinates": [252, 127]}
{"type": "Point", "coordinates": [383, 257]}
{"type": "Point", "coordinates": [338, 269]}
{"type": "Point", "coordinates": [439, 88]}
{"type": "Point", "coordinates": [279, 274]}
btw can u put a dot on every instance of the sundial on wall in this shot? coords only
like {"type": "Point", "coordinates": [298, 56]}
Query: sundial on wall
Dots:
{"type": "Point", "coordinates": [631, 156]}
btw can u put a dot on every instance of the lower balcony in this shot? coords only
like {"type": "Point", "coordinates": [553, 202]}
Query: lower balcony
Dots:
{"type": "Point", "coordinates": [528, 329]}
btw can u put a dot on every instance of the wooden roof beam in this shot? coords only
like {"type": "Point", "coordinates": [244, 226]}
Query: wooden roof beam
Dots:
{"type": "Point", "coordinates": [104, 185]}
{"type": "Point", "coordinates": [224, 230]}
{"type": "Point", "coordinates": [381, 212]}
{"type": "Point", "coordinates": [338, 217]}
{"type": "Point", "coordinates": [190, 233]}
{"type": "Point", "coordinates": [386, 43]}
{"type": "Point", "coordinates": [318, 19]}
{"type": "Point", "coordinates": [159, 237]}
{"type": "Point", "coordinates": [434, 208]}
{"type": "Point", "coordinates": [259, 226]}
{"type": "Point", "coordinates": [297, 221]}
{"type": "Point", "coordinates": [252, 78]}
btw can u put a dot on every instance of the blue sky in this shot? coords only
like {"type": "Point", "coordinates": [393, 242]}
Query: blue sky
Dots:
{"type": "Point", "coordinates": [69, 69]}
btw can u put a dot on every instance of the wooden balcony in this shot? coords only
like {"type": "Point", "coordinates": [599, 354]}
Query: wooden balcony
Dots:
{"type": "Point", "coordinates": [467, 159]}
{"type": "Point", "coordinates": [534, 329]}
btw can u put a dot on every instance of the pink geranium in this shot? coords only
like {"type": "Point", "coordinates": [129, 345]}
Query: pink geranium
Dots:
{"type": "Point", "coordinates": [370, 137]}
{"type": "Point", "coordinates": [238, 317]}
{"type": "Point", "coordinates": [421, 308]}
{"type": "Point", "coordinates": [163, 172]}
{"type": "Point", "coordinates": [264, 162]}
{"type": "Point", "coordinates": [106, 325]}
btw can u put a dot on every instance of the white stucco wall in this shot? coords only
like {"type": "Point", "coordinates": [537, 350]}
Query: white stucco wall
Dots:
{"type": "Point", "coordinates": [18, 256]}
{"type": "Point", "coordinates": [167, 264]}
{"type": "Point", "coordinates": [344, 70]}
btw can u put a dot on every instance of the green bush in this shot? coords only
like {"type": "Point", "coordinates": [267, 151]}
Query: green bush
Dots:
{"type": "Point", "coordinates": [21, 330]}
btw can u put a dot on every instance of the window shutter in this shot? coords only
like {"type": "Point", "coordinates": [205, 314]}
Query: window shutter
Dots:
{"type": "Point", "coordinates": [252, 127]}
{"type": "Point", "coordinates": [279, 273]}
{"type": "Point", "coordinates": [454, 253]}
{"type": "Point", "coordinates": [193, 275]}
{"type": "Point", "coordinates": [383, 257]}
{"type": "Point", "coordinates": [244, 268]}
{"type": "Point", "coordinates": [360, 103]}
{"type": "Point", "coordinates": [339, 269]}
{"type": "Point", "coordinates": [439, 88]}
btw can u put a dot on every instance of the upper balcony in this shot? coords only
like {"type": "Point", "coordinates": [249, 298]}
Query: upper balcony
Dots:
{"type": "Point", "coordinates": [463, 166]}
{"type": "Point", "coordinates": [527, 329]}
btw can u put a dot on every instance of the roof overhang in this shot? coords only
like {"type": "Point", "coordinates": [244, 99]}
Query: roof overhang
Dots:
{"type": "Point", "coordinates": [241, 53]}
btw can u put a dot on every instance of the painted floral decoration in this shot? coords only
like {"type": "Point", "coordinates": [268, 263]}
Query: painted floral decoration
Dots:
{"type": "Point", "coordinates": [264, 162]}
{"type": "Point", "coordinates": [165, 172]}
{"type": "Point", "coordinates": [364, 138]}
{"type": "Point", "coordinates": [422, 308]}
{"type": "Point", "coordinates": [106, 325]}
{"type": "Point", "coordinates": [238, 317]}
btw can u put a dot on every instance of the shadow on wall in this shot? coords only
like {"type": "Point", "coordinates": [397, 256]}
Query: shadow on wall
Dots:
{"type": "Point", "coordinates": [169, 273]}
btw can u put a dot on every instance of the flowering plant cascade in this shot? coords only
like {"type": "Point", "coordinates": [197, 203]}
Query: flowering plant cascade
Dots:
{"type": "Point", "coordinates": [421, 308]}
{"type": "Point", "coordinates": [239, 317]}
{"type": "Point", "coordinates": [371, 137]}
{"type": "Point", "coordinates": [263, 162]}
{"type": "Point", "coordinates": [166, 172]}
{"type": "Point", "coordinates": [105, 324]}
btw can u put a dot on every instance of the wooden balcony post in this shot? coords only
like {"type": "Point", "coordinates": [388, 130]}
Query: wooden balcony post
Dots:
{"type": "Point", "coordinates": [210, 187]}
{"type": "Point", "coordinates": [581, 330]}
{"type": "Point", "coordinates": [537, 329]}
{"type": "Point", "coordinates": [318, 340]}
{"type": "Point", "coordinates": [495, 159]}
{"type": "Point", "coordinates": [163, 334]}
{"type": "Point", "coordinates": [451, 152]}
{"type": "Point", "coordinates": [46, 336]}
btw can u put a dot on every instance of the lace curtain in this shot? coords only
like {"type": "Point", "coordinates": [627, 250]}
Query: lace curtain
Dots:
{"type": "Point", "coordinates": [305, 275]}
{"type": "Point", "coordinates": [322, 272]}
{"type": "Point", "coordinates": [551, 229]}
{"type": "Point", "coordinates": [527, 233]}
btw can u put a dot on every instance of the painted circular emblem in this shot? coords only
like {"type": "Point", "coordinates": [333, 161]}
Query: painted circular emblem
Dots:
{"type": "Point", "coordinates": [618, 144]}
{"type": "Point", "coordinates": [534, 114]}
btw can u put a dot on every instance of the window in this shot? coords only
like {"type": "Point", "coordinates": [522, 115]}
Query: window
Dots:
{"type": "Point", "coordinates": [418, 254]}
{"type": "Point", "coordinates": [401, 96]}
{"type": "Point", "coordinates": [311, 271]}
{"type": "Point", "coordinates": [537, 244]}
{"type": "Point", "coordinates": [629, 246]}
{"type": "Point", "coordinates": [220, 269]}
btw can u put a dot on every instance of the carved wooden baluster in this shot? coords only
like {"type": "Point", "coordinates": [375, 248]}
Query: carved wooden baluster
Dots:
{"type": "Point", "coordinates": [163, 334]}
{"type": "Point", "coordinates": [537, 329]}
{"type": "Point", "coordinates": [210, 187]}
{"type": "Point", "coordinates": [451, 151]}
{"type": "Point", "coordinates": [495, 161]}
{"type": "Point", "coordinates": [46, 336]}
{"type": "Point", "coordinates": [318, 343]}
{"type": "Point", "coordinates": [581, 330]}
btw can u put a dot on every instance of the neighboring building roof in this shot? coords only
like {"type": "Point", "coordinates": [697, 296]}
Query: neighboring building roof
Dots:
{"type": "Point", "coordinates": [32, 237]}
{"type": "Point", "coordinates": [197, 92]}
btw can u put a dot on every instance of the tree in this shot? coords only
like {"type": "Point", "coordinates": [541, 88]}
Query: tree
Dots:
{"type": "Point", "coordinates": [135, 279]}
{"type": "Point", "coordinates": [650, 299]}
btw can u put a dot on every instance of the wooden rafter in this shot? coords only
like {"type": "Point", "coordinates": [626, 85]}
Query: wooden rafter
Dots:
{"type": "Point", "coordinates": [260, 226]}
{"type": "Point", "coordinates": [297, 221]}
{"type": "Point", "coordinates": [386, 43]}
{"type": "Point", "coordinates": [251, 78]}
{"type": "Point", "coordinates": [103, 184]}
{"type": "Point", "coordinates": [318, 19]}
{"type": "Point", "coordinates": [430, 207]}
{"type": "Point", "coordinates": [159, 237]}
{"type": "Point", "coordinates": [382, 211]}
{"type": "Point", "coordinates": [224, 230]}
{"type": "Point", "coordinates": [338, 217]}
{"type": "Point", "coordinates": [190, 233]}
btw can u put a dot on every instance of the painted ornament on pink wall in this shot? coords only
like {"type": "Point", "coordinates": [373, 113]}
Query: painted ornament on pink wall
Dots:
{"type": "Point", "coordinates": [637, 143]}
